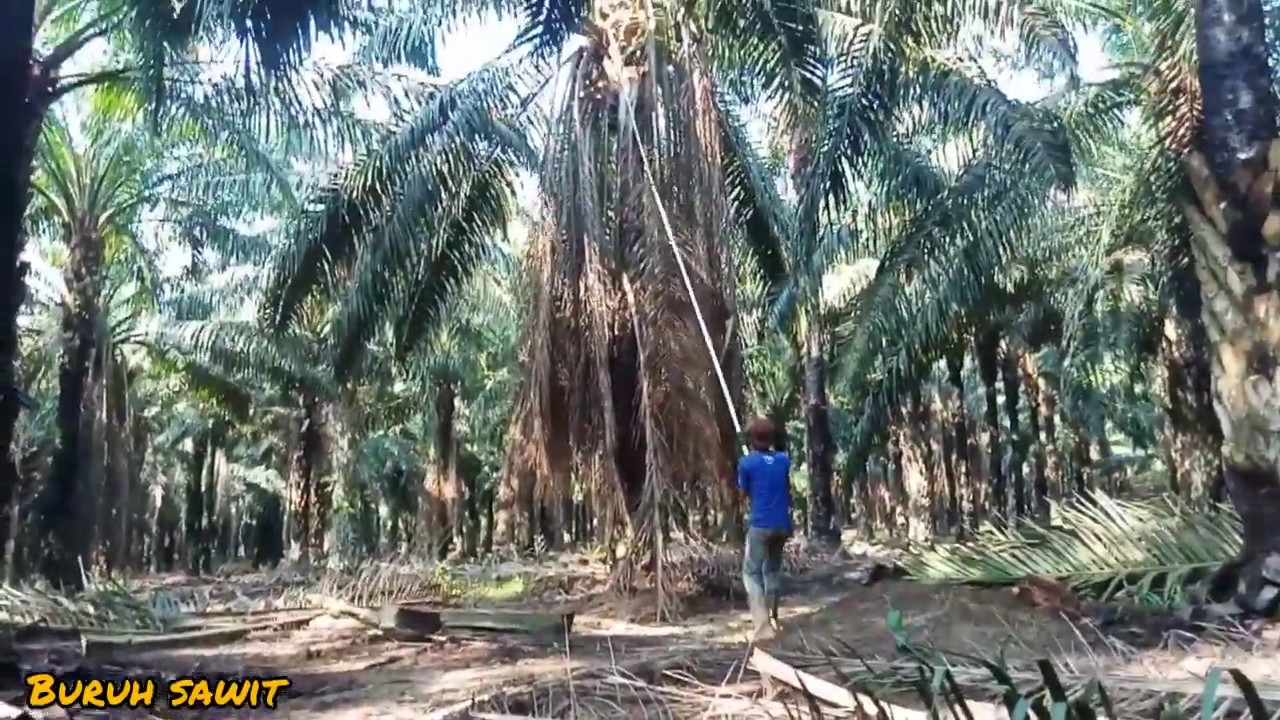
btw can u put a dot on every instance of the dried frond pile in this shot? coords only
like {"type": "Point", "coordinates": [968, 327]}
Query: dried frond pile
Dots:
{"type": "Point", "coordinates": [375, 583]}
{"type": "Point", "coordinates": [700, 568]}
{"type": "Point", "coordinates": [368, 584]}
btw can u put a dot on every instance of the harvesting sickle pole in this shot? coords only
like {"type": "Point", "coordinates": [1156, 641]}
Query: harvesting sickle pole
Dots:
{"type": "Point", "coordinates": [688, 283]}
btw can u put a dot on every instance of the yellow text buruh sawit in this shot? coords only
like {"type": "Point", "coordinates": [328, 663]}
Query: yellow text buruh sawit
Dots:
{"type": "Point", "coordinates": [45, 689]}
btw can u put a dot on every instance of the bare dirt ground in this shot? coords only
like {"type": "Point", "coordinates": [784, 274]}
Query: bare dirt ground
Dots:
{"type": "Point", "coordinates": [343, 670]}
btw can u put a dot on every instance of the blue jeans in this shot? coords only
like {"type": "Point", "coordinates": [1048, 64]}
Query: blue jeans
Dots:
{"type": "Point", "coordinates": [762, 564]}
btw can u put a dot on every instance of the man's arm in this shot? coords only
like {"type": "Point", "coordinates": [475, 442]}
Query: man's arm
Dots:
{"type": "Point", "coordinates": [743, 478]}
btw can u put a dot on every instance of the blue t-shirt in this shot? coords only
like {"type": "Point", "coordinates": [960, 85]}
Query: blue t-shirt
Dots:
{"type": "Point", "coordinates": [766, 478]}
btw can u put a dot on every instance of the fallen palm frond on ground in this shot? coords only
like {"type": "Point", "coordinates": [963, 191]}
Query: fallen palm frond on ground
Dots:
{"type": "Point", "coordinates": [701, 680]}
{"type": "Point", "coordinates": [954, 681]}
{"type": "Point", "coordinates": [697, 567]}
{"type": "Point", "coordinates": [1102, 547]}
{"type": "Point", "coordinates": [102, 605]}
{"type": "Point", "coordinates": [922, 682]}
{"type": "Point", "coordinates": [925, 683]}
{"type": "Point", "coordinates": [694, 568]}
{"type": "Point", "coordinates": [836, 683]}
{"type": "Point", "coordinates": [108, 605]}
{"type": "Point", "coordinates": [230, 605]}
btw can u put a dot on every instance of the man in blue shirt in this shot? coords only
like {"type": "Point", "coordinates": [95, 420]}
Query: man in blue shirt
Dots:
{"type": "Point", "coordinates": [764, 474]}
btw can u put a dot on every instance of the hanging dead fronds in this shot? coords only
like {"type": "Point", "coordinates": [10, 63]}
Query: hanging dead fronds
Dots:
{"type": "Point", "coordinates": [621, 395]}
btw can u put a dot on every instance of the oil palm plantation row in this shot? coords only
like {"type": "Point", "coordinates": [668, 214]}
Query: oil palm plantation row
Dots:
{"type": "Point", "coordinates": [963, 303]}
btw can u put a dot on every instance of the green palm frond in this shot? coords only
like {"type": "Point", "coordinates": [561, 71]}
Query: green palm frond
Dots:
{"type": "Point", "coordinates": [239, 351]}
{"type": "Point", "coordinates": [546, 25]}
{"type": "Point", "coordinates": [400, 229]}
{"type": "Point", "coordinates": [1102, 546]}
{"type": "Point", "coordinates": [1030, 135]}
{"type": "Point", "coordinates": [953, 257]}
{"type": "Point", "coordinates": [277, 34]}
{"type": "Point", "coordinates": [463, 245]}
{"type": "Point", "coordinates": [768, 51]}
{"type": "Point", "coordinates": [104, 605]}
{"type": "Point", "coordinates": [309, 115]}
{"type": "Point", "coordinates": [900, 26]}
{"type": "Point", "coordinates": [957, 684]}
{"type": "Point", "coordinates": [99, 183]}
{"type": "Point", "coordinates": [400, 34]}
{"type": "Point", "coordinates": [752, 193]}
{"type": "Point", "coordinates": [1092, 116]}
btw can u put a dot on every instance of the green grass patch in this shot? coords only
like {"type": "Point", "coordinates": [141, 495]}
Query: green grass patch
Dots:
{"type": "Point", "coordinates": [498, 589]}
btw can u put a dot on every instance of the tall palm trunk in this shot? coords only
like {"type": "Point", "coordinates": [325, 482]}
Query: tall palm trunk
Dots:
{"type": "Point", "coordinates": [893, 507]}
{"type": "Point", "coordinates": [1237, 232]}
{"type": "Point", "coordinates": [1049, 421]}
{"type": "Point", "coordinates": [988, 356]}
{"type": "Point", "coordinates": [819, 445]}
{"type": "Point", "coordinates": [1032, 385]}
{"type": "Point", "coordinates": [117, 513]}
{"type": "Point", "coordinates": [943, 409]}
{"type": "Point", "coordinates": [63, 511]}
{"type": "Point", "coordinates": [1017, 453]}
{"type": "Point", "coordinates": [609, 224]}
{"type": "Point", "coordinates": [139, 434]}
{"type": "Point", "coordinates": [316, 441]}
{"type": "Point", "coordinates": [197, 498]}
{"type": "Point", "coordinates": [308, 494]}
{"type": "Point", "coordinates": [268, 530]}
{"type": "Point", "coordinates": [17, 24]}
{"type": "Point", "coordinates": [970, 501]}
{"type": "Point", "coordinates": [819, 440]}
{"type": "Point", "coordinates": [1194, 433]}
{"type": "Point", "coordinates": [919, 468]}
{"type": "Point", "coordinates": [444, 495]}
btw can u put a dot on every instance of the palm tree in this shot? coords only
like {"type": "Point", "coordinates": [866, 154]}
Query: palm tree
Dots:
{"type": "Point", "coordinates": [89, 194]}
{"type": "Point", "coordinates": [287, 373]}
{"type": "Point", "coordinates": [17, 20]}
{"type": "Point", "coordinates": [1219, 113]}
{"type": "Point", "coordinates": [855, 166]}
{"type": "Point", "coordinates": [115, 430]}
{"type": "Point", "coordinates": [1236, 232]}
{"type": "Point", "coordinates": [627, 412]}
{"type": "Point", "coordinates": [41, 38]}
{"type": "Point", "coordinates": [629, 286]}
{"type": "Point", "coordinates": [96, 175]}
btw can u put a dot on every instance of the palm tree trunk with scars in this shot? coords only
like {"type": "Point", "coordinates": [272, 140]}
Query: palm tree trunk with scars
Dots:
{"type": "Point", "coordinates": [17, 22]}
{"type": "Point", "coordinates": [819, 444]}
{"type": "Point", "coordinates": [1237, 251]}
{"type": "Point", "coordinates": [1195, 435]}
{"type": "Point", "coordinates": [66, 501]}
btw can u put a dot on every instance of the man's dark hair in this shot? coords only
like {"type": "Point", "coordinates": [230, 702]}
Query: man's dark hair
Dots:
{"type": "Point", "coordinates": [760, 432]}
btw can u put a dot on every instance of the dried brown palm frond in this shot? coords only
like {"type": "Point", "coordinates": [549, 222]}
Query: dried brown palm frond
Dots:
{"type": "Point", "coordinates": [696, 572]}
{"type": "Point", "coordinates": [620, 398]}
